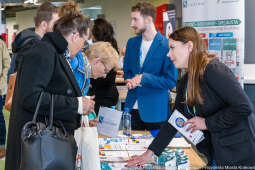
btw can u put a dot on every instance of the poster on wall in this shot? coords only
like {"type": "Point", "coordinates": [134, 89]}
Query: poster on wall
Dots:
{"type": "Point", "coordinates": [169, 21]}
{"type": "Point", "coordinates": [221, 26]}
{"type": "Point", "coordinates": [159, 18]}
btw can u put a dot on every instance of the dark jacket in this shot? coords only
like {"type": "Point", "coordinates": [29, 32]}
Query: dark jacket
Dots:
{"type": "Point", "coordinates": [43, 68]}
{"type": "Point", "coordinates": [22, 41]}
{"type": "Point", "coordinates": [226, 110]}
{"type": "Point", "coordinates": [105, 91]}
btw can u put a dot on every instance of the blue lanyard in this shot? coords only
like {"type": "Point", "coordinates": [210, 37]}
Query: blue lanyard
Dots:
{"type": "Point", "coordinates": [194, 108]}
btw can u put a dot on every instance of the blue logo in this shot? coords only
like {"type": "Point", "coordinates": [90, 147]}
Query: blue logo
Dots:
{"type": "Point", "coordinates": [100, 119]}
{"type": "Point", "coordinates": [179, 122]}
{"type": "Point", "coordinates": [193, 3]}
{"type": "Point", "coordinates": [185, 3]}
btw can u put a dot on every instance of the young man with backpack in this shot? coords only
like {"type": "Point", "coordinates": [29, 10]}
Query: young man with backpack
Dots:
{"type": "Point", "coordinates": [46, 15]}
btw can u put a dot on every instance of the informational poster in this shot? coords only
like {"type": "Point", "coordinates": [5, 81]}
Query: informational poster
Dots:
{"type": "Point", "coordinates": [221, 25]}
{"type": "Point", "coordinates": [169, 21]}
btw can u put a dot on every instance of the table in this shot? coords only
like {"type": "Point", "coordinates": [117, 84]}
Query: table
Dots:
{"type": "Point", "coordinates": [195, 161]}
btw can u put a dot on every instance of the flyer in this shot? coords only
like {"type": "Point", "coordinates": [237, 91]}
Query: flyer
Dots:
{"type": "Point", "coordinates": [177, 120]}
{"type": "Point", "coordinates": [108, 121]}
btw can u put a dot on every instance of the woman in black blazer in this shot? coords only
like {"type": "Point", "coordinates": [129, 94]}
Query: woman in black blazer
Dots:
{"type": "Point", "coordinates": [44, 67]}
{"type": "Point", "coordinates": [212, 99]}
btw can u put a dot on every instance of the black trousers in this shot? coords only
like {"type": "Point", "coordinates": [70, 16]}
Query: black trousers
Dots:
{"type": "Point", "coordinates": [138, 124]}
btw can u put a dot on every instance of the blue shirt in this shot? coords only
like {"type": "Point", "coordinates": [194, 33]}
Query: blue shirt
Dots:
{"type": "Point", "coordinates": [81, 70]}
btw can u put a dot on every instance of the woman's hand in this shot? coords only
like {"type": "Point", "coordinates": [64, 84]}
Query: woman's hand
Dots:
{"type": "Point", "coordinates": [139, 160]}
{"type": "Point", "coordinates": [196, 123]}
{"type": "Point", "coordinates": [88, 104]}
{"type": "Point", "coordinates": [93, 122]}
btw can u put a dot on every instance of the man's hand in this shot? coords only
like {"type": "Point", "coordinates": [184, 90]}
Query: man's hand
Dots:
{"type": "Point", "coordinates": [134, 82]}
{"type": "Point", "coordinates": [88, 104]}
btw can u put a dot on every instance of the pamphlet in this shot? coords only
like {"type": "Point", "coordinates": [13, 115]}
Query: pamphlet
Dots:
{"type": "Point", "coordinates": [108, 121]}
{"type": "Point", "coordinates": [177, 120]}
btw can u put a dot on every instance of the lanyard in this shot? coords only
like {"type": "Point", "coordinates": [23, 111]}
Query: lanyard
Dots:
{"type": "Point", "coordinates": [194, 108]}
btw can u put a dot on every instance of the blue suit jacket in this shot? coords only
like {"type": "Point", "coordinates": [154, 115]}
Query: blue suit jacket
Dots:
{"type": "Point", "coordinates": [159, 75]}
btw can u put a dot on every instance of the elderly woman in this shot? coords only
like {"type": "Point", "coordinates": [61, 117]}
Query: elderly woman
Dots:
{"type": "Point", "coordinates": [102, 58]}
{"type": "Point", "coordinates": [105, 90]}
{"type": "Point", "coordinates": [45, 67]}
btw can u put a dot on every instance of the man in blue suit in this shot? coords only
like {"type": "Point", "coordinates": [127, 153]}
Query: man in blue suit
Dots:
{"type": "Point", "coordinates": [148, 72]}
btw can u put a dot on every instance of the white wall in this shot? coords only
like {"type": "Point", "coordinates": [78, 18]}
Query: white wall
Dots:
{"type": "Point", "coordinates": [116, 11]}
{"type": "Point", "coordinates": [1, 27]}
{"type": "Point", "coordinates": [25, 19]}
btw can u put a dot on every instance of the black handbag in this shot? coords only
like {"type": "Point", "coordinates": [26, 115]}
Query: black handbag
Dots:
{"type": "Point", "coordinates": [46, 147]}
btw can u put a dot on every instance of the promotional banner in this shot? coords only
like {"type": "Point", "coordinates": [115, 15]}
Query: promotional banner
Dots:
{"type": "Point", "coordinates": [221, 25]}
{"type": "Point", "coordinates": [169, 20]}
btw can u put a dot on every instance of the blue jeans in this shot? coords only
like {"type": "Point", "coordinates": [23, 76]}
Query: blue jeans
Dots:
{"type": "Point", "coordinates": [2, 123]}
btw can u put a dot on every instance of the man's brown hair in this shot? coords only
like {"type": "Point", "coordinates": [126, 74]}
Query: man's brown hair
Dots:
{"type": "Point", "coordinates": [44, 13]}
{"type": "Point", "coordinates": [146, 9]}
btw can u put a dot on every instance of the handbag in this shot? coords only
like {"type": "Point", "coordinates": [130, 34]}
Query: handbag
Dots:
{"type": "Point", "coordinates": [44, 146]}
{"type": "Point", "coordinates": [10, 91]}
{"type": "Point", "coordinates": [87, 157]}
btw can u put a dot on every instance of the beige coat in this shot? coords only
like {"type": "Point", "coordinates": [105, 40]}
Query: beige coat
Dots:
{"type": "Point", "coordinates": [4, 66]}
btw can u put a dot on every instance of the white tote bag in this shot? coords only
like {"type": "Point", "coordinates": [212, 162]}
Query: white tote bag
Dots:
{"type": "Point", "coordinates": [88, 150]}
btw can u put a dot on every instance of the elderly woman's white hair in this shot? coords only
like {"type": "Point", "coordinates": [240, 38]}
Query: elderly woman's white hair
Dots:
{"type": "Point", "coordinates": [105, 52]}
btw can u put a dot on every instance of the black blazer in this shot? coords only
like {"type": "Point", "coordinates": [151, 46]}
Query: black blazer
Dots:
{"type": "Point", "coordinates": [227, 111]}
{"type": "Point", "coordinates": [105, 91]}
{"type": "Point", "coordinates": [42, 68]}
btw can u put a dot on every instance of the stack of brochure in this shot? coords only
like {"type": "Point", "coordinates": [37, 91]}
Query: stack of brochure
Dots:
{"type": "Point", "coordinates": [115, 151]}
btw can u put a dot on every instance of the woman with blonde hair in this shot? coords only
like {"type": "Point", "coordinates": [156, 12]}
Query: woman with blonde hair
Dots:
{"type": "Point", "coordinates": [104, 89]}
{"type": "Point", "coordinates": [102, 57]}
{"type": "Point", "coordinates": [213, 101]}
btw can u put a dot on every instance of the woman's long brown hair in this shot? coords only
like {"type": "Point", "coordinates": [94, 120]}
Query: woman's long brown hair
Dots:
{"type": "Point", "coordinates": [198, 60]}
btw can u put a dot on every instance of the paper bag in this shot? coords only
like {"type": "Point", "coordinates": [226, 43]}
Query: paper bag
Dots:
{"type": "Point", "coordinates": [10, 91]}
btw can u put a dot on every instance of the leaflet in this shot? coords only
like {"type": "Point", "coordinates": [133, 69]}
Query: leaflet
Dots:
{"type": "Point", "coordinates": [108, 121]}
{"type": "Point", "coordinates": [177, 120]}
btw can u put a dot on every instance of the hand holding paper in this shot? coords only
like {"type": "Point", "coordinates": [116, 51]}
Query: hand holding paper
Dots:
{"type": "Point", "coordinates": [177, 120]}
{"type": "Point", "coordinates": [196, 123]}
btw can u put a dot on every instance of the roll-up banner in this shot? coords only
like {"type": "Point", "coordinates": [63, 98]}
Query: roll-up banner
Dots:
{"type": "Point", "coordinates": [221, 25]}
